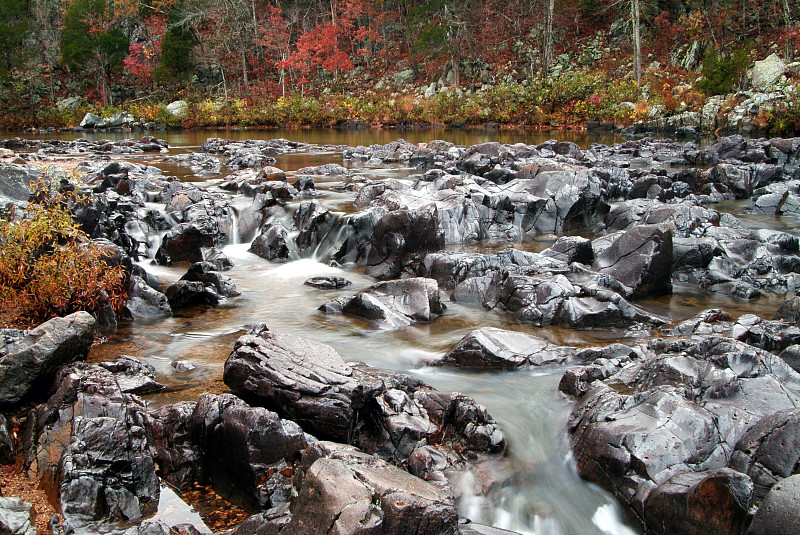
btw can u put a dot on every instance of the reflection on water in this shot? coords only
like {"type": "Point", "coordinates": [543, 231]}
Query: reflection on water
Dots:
{"type": "Point", "coordinates": [544, 495]}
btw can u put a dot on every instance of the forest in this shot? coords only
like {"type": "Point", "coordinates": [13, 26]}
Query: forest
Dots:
{"type": "Point", "coordinates": [359, 54]}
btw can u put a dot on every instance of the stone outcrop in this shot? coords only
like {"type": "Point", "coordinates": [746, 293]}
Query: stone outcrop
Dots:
{"type": "Point", "coordinates": [29, 360]}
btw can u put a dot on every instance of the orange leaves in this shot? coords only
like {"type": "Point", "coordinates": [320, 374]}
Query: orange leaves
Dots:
{"type": "Point", "coordinates": [50, 268]}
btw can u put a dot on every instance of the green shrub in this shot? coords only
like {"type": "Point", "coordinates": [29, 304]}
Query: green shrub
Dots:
{"type": "Point", "coordinates": [721, 74]}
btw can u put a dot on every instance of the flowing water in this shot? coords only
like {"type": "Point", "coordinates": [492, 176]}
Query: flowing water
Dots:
{"type": "Point", "coordinates": [544, 496]}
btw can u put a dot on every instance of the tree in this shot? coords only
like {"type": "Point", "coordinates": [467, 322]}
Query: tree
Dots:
{"type": "Point", "coordinates": [637, 42]}
{"type": "Point", "coordinates": [15, 24]}
{"type": "Point", "coordinates": [92, 44]}
{"type": "Point", "coordinates": [176, 64]}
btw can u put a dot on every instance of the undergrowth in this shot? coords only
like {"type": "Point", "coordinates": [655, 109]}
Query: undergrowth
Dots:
{"type": "Point", "coordinates": [50, 268]}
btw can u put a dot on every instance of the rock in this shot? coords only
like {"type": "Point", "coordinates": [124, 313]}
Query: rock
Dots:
{"type": "Point", "coordinates": [770, 450]}
{"type": "Point", "coordinates": [674, 417]}
{"type": "Point", "coordinates": [185, 294]}
{"type": "Point", "coordinates": [90, 451]}
{"type": "Point", "coordinates": [391, 304]}
{"type": "Point", "coordinates": [270, 522]}
{"type": "Point", "coordinates": [328, 169]}
{"type": "Point", "coordinates": [314, 222]}
{"type": "Point", "coordinates": [307, 381]}
{"type": "Point", "coordinates": [766, 72]}
{"type": "Point", "coordinates": [450, 268]}
{"type": "Point", "coordinates": [207, 274]}
{"type": "Point", "coordinates": [398, 236]}
{"type": "Point", "coordinates": [133, 376]}
{"type": "Point", "coordinates": [770, 335]}
{"type": "Point", "coordinates": [246, 448]}
{"type": "Point", "coordinates": [90, 120]}
{"type": "Point", "coordinates": [216, 258]}
{"type": "Point", "coordinates": [641, 260]}
{"type": "Point", "coordinates": [711, 321]}
{"type": "Point", "coordinates": [569, 249]}
{"type": "Point", "coordinates": [169, 434]}
{"type": "Point", "coordinates": [69, 103]}
{"type": "Point", "coordinates": [28, 365]}
{"type": "Point", "coordinates": [556, 300]}
{"type": "Point", "coordinates": [490, 347]}
{"type": "Point", "coordinates": [184, 243]}
{"type": "Point", "coordinates": [272, 243]}
{"type": "Point", "coordinates": [700, 503]}
{"type": "Point", "coordinates": [17, 517]}
{"type": "Point", "coordinates": [344, 491]}
{"type": "Point", "coordinates": [17, 182]}
{"type": "Point", "coordinates": [791, 356]}
{"type": "Point", "coordinates": [780, 510]}
{"type": "Point", "coordinates": [328, 282]}
{"type": "Point", "coordinates": [789, 311]}
{"type": "Point", "coordinates": [381, 412]}
{"type": "Point", "coordinates": [145, 302]}
{"type": "Point", "coordinates": [7, 449]}
{"type": "Point", "coordinates": [177, 108]}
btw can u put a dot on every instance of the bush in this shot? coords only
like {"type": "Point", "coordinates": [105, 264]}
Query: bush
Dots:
{"type": "Point", "coordinates": [720, 74]}
{"type": "Point", "coordinates": [49, 268]}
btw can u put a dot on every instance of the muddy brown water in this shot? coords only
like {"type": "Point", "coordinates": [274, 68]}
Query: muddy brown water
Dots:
{"type": "Point", "coordinates": [545, 496]}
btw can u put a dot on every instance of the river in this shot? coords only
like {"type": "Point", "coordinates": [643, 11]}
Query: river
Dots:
{"type": "Point", "coordinates": [545, 496]}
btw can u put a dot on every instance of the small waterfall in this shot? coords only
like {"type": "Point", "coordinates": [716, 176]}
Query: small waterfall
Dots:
{"type": "Point", "coordinates": [233, 237]}
{"type": "Point", "coordinates": [333, 240]}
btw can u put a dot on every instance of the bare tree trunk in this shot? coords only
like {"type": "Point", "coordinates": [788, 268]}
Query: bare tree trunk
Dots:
{"type": "Point", "coordinates": [245, 81]}
{"type": "Point", "coordinates": [637, 42]}
{"type": "Point", "coordinates": [548, 44]}
{"type": "Point", "coordinates": [787, 21]}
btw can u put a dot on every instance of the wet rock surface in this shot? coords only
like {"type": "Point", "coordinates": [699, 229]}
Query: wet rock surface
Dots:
{"type": "Point", "coordinates": [391, 304]}
{"type": "Point", "coordinates": [30, 359]}
{"type": "Point", "coordinates": [684, 418]}
{"type": "Point", "coordinates": [379, 411]}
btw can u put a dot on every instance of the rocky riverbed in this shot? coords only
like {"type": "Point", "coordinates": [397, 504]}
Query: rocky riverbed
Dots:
{"type": "Point", "coordinates": [688, 421]}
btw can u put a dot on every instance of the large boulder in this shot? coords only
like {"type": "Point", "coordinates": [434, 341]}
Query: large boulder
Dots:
{"type": "Point", "coordinates": [391, 303]}
{"type": "Point", "coordinates": [341, 490]}
{"type": "Point", "coordinates": [490, 347]}
{"type": "Point", "coordinates": [29, 364]}
{"type": "Point", "coordinates": [399, 235]}
{"type": "Point", "coordinates": [247, 452]}
{"type": "Point", "coordinates": [641, 260]}
{"type": "Point", "coordinates": [90, 451]}
{"type": "Point", "coordinates": [273, 243]}
{"type": "Point", "coordinates": [766, 72]}
{"type": "Point", "coordinates": [681, 407]}
{"type": "Point", "coordinates": [780, 510]}
{"type": "Point", "coordinates": [308, 382]}
{"type": "Point", "coordinates": [382, 412]}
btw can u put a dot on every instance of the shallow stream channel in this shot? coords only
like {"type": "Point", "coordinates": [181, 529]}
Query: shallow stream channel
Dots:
{"type": "Point", "coordinates": [544, 495]}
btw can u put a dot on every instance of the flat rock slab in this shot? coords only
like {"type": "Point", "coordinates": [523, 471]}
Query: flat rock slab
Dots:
{"type": "Point", "coordinates": [391, 304]}
{"type": "Point", "coordinates": [490, 347]}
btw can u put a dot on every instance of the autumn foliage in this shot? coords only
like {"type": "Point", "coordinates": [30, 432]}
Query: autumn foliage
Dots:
{"type": "Point", "coordinates": [49, 268]}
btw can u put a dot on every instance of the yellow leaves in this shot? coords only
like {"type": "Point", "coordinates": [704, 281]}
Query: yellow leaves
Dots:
{"type": "Point", "coordinates": [49, 268]}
